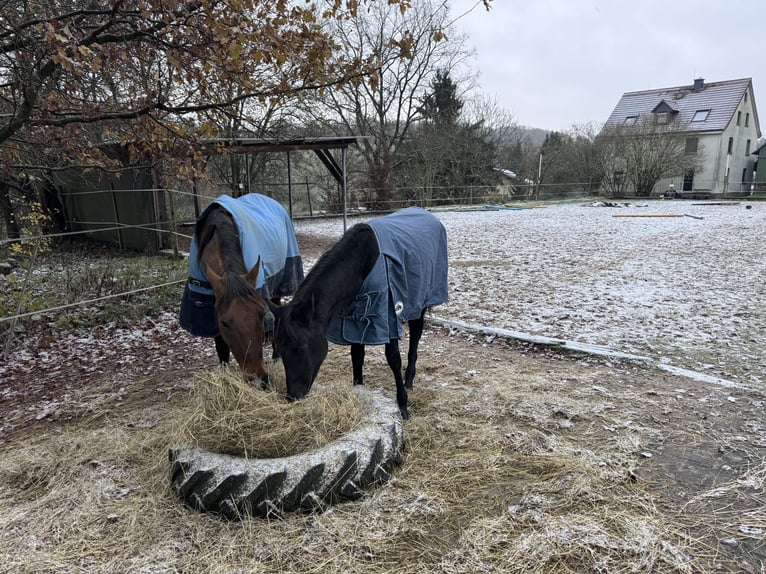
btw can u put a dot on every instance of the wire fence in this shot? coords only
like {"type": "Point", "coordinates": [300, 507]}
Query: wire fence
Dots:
{"type": "Point", "coordinates": [22, 298]}
{"type": "Point", "coordinates": [184, 215]}
{"type": "Point", "coordinates": [89, 301]}
{"type": "Point", "coordinates": [359, 199]}
{"type": "Point", "coordinates": [16, 305]}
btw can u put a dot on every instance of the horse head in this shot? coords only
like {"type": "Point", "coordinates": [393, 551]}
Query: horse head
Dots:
{"type": "Point", "coordinates": [300, 341]}
{"type": "Point", "coordinates": [242, 316]}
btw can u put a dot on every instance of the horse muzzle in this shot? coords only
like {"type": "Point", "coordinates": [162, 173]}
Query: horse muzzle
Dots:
{"type": "Point", "coordinates": [296, 394]}
{"type": "Point", "coordinates": [253, 379]}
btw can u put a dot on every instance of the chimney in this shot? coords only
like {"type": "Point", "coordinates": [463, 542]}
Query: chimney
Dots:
{"type": "Point", "coordinates": [699, 84]}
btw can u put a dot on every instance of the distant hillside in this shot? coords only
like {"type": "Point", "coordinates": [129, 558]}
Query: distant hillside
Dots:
{"type": "Point", "coordinates": [535, 136]}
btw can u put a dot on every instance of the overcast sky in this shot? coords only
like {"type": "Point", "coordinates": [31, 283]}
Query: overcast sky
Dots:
{"type": "Point", "coordinates": [555, 63]}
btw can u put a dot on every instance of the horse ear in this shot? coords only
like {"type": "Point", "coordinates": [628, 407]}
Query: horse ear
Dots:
{"type": "Point", "coordinates": [252, 275]}
{"type": "Point", "coordinates": [213, 278]}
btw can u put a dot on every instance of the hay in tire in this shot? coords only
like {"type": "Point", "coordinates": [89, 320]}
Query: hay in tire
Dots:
{"type": "Point", "coordinates": [237, 464]}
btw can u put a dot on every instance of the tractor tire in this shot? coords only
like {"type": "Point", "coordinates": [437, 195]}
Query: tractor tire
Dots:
{"type": "Point", "coordinates": [342, 470]}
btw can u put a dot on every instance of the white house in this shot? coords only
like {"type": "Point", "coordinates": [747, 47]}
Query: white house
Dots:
{"type": "Point", "coordinates": [720, 121]}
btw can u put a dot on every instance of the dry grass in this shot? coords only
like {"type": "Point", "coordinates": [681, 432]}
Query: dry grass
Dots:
{"type": "Point", "coordinates": [514, 463]}
{"type": "Point", "coordinates": [234, 417]}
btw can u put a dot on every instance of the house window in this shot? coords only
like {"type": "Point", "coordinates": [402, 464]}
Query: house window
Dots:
{"type": "Point", "coordinates": [630, 120]}
{"type": "Point", "coordinates": [747, 148]}
{"type": "Point", "coordinates": [700, 115]}
{"type": "Point", "coordinates": [661, 117]}
{"type": "Point", "coordinates": [731, 146]}
{"type": "Point", "coordinates": [745, 97]}
{"type": "Point", "coordinates": [739, 118]}
{"type": "Point", "coordinates": [744, 175]}
{"type": "Point", "coordinates": [747, 119]}
{"type": "Point", "coordinates": [691, 145]}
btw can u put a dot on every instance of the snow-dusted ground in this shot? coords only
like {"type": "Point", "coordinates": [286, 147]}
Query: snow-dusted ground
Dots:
{"type": "Point", "coordinates": [689, 292]}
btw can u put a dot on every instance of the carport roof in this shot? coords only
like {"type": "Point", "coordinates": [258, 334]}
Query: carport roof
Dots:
{"type": "Point", "coordinates": [260, 145]}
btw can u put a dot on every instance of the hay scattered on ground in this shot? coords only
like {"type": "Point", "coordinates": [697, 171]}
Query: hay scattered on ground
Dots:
{"type": "Point", "coordinates": [231, 416]}
{"type": "Point", "coordinates": [513, 464]}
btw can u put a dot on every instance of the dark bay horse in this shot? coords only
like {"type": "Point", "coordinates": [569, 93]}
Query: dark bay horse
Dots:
{"type": "Point", "coordinates": [243, 253]}
{"type": "Point", "coordinates": [379, 275]}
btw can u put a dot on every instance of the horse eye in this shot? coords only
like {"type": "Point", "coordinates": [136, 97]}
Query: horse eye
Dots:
{"type": "Point", "coordinates": [225, 324]}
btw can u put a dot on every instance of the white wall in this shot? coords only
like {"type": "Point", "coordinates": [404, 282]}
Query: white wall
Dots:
{"type": "Point", "coordinates": [714, 151]}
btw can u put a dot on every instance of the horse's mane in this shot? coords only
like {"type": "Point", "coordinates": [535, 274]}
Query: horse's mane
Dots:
{"type": "Point", "coordinates": [219, 221]}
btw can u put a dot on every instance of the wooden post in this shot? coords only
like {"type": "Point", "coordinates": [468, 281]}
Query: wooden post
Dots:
{"type": "Point", "coordinates": [117, 221]}
{"type": "Point", "coordinates": [161, 214]}
{"type": "Point", "coordinates": [173, 224]}
{"type": "Point", "coordinates": [247, 173]}
{"type": "Point", "coordinates": [308, 195]}
{"type": "Point", "coordinates": [289, 185]}
{"type": "Point", "coordinates": [196, 200]}
{"type": "Point", "coordinates": [345, 191]}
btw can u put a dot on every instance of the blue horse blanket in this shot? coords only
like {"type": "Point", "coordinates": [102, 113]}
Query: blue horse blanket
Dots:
{"type": "Point", "coordinates": [410, 275]}
{"type": "Point", "coordinates": [265, 230]}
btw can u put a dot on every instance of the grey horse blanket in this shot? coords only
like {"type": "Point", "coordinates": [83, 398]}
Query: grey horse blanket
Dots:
{"type": "Point", "coordinates": [410, 275]}
{"type": "Point", "coordinates": [265, 230]}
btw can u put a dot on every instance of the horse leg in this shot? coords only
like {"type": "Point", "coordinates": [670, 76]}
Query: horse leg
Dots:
{"type": "Point", "coordinates": [395, 362]}
{"type": "Point", "coordinates": [416, 331]}
{"type": "Point", "coordinates": [222, 349]}
{"type": "Point", "coordinates": [357, 362]}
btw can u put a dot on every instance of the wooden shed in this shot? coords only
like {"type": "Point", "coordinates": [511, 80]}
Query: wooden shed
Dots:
{"type": "Point", "coordinates": [129, 208]}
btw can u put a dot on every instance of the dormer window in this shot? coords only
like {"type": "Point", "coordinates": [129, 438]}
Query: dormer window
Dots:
{"type": "Point", "coordinates": [664, 112]}
{"type": "Point", "coordinates": [630, 120]}
{"type": "Point", "coordinates": [700, 115]}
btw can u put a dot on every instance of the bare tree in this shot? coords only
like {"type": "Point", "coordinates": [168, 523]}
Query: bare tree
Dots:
{"type": "Point", "coordinates": [643, 153]}
{"type": "Point", "coordinates": [498, 125]}
{"type": "Point", "coordinates": [408, 49]}
{"type": "Point", "coordinates": [587, 166]}
{"type": "Point", "coordinates": [246, 118]}
{"type": "Point", "coordinates": [152, 77]}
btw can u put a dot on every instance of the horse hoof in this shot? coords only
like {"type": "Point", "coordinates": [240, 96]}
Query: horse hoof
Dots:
{"type": "Point", "coordinates": [342, 470]}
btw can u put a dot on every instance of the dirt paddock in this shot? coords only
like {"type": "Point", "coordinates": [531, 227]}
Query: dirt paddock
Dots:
{"type": "Point", "coordinates": [519, 458]}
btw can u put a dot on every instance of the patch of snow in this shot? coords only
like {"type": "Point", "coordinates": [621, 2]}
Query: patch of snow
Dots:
{"type": "Point", "coordinates": [689, 291]}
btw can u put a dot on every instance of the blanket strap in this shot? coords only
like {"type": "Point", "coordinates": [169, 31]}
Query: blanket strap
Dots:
{"type": "Point", "coordinates": [199, 283]}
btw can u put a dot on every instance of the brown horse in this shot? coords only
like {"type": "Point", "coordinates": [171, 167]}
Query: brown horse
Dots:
{"type": "Point", "coordinates": [225, 299]}
{"type": "Point", "coordinates": [240, 310]}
